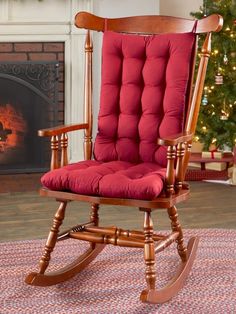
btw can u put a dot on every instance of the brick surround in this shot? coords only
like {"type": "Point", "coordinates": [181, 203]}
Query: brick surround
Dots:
{"type": "Point", "coordinates": [33, 51]}
{"type": "Point", "coordinates": [38, 51]}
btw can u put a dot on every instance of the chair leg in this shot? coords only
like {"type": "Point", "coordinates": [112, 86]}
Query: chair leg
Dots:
{"type": "Point", "coordinates": [175, 225]}
{"type": "Point", "coordinates": [152, 295]}
{"type": "Point", "coordinates": [94, 218]}
{"type": "Point", "coordinates": [51, 278]}
{"type": "Point", "coordinates": [52, 237]}
{"type": "Point", "coordinates": [149, 251]}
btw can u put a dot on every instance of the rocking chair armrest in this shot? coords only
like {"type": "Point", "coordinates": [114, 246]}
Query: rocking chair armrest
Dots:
{"type": "Point", "coordinates": [175, 139]}
{"type": "Point", "coordinates": [58, 130]}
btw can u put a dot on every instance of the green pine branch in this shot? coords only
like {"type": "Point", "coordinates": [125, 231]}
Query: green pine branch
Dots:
{"type": "Point", "coordinates": [217, 118]}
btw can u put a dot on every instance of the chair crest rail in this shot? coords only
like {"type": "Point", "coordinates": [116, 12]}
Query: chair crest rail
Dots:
{"type": "Point", "coordinates": [148, 24]}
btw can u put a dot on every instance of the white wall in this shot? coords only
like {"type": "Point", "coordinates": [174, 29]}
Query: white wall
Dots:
{"type": "Point", "coordinates": [115, 8]}
{"type": "Point", "coordinates": [180, 8]}
{"type": "Point", "coordinates": [120, 8]}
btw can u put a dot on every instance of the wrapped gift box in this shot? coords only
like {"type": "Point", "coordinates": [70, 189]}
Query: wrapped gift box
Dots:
{"type": "Point", "coordinates": [203, 168]}
{"type": "Point", "coordinates": [218, 166]}
{"type": "Point", "coordinates": [213, 154]}
{"type": "Point", "coordinates": [197, 147]}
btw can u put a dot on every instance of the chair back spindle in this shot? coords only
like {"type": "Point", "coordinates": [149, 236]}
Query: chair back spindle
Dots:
{"type": "Point", "coordinates": [193, 110]}
{"type": "Point", "coordinates": [88, 117]}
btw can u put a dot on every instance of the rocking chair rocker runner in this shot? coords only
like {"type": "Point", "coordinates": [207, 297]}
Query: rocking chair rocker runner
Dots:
{"type": "Point", "coordinates": [148, 114]}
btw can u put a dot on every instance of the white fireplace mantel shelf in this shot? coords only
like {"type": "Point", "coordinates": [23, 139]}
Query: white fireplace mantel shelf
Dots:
{"type": "Point", "coordinates": [44, 17]}
{"type": "Point", "coordinates": [52, 21]}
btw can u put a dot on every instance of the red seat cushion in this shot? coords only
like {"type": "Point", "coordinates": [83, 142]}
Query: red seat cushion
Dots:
{"type": "Point", "coordinates": [120, 179]}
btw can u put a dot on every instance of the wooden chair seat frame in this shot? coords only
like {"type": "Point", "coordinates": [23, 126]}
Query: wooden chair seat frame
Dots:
{"type": "Point", "coordinates": [176, 190]}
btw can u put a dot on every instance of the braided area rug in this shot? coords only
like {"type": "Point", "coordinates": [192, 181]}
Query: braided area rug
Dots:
{"type": "Point", "coordinates": [113, 281]}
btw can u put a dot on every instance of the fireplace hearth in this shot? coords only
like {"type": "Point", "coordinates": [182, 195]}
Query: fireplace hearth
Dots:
{"type": "Point", "coordinates": [28, 102]}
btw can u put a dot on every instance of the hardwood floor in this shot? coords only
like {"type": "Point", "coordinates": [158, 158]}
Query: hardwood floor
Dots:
{"type": "Point", "coordinates": [26, 215]}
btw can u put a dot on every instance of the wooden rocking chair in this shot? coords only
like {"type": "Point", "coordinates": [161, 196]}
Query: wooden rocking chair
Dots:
{"type": "Point", "coordinates": [148, 114]}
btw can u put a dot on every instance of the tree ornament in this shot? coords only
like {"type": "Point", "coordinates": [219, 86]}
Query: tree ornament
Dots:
{"type": "Point", "coordinates": [219, 79]}
{"type": "Point", "coordinates": [204, 100]}
{"type": "Point", "coordinates": [225, 59]}
{"type": "Point", "coordinates": [224, 115]}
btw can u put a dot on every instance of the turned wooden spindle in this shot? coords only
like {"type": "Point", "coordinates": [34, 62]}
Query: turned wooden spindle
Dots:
{"type": "Point", "coordinates": [170, 174]}
{"type": "Point", "coordinates": [179, 167]}
{"type": "Point", "coordinates": [107, 239]}
{"type": "Point", "coordinates": [88, 97]}
{"type": "Point", "coordinates": [121, 232]}
{"type": "Point", "coordinates": [94, 217]}
{"type": "Point", "coordinates": [54, 149]}
{"type": "Point", "coordinates": [166, 242]}
{"type": "Point", "coordinates": [193, 111]}
{"type": "Point", "coordinates": [52, 237]}
{"type": "Point", "coordinates": [175, 225]}
{"type": "Point", "coordinates": [64, 145]}
{"type": "Point", "coordinates": [149, 251]}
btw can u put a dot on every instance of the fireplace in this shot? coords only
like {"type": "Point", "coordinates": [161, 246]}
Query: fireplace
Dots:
{"type": "Point", "coordinates": [28, 102]}
{"type": "Point", "coordinates": [31, 31]}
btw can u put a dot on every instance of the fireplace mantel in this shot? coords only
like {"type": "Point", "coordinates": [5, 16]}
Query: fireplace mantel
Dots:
{"type": "Point", "coordinates": [52, 21]}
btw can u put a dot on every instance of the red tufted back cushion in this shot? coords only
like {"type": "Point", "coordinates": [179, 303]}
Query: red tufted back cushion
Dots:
{"type": "Point", "coordinates": [143, 88]}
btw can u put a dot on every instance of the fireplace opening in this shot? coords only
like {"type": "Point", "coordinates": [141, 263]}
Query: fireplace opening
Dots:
{"type": "Point", "coordinates": [28, 102]}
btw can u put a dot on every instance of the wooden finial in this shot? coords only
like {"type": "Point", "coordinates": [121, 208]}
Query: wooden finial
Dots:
{"type": "Point", "coordinates": [54, 148]}
{"type": "Point", "coordinates": [64, 145]}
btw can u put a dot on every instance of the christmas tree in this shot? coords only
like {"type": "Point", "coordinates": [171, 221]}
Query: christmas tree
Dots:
{"type": "Point", "coordinates": [217, 118]}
